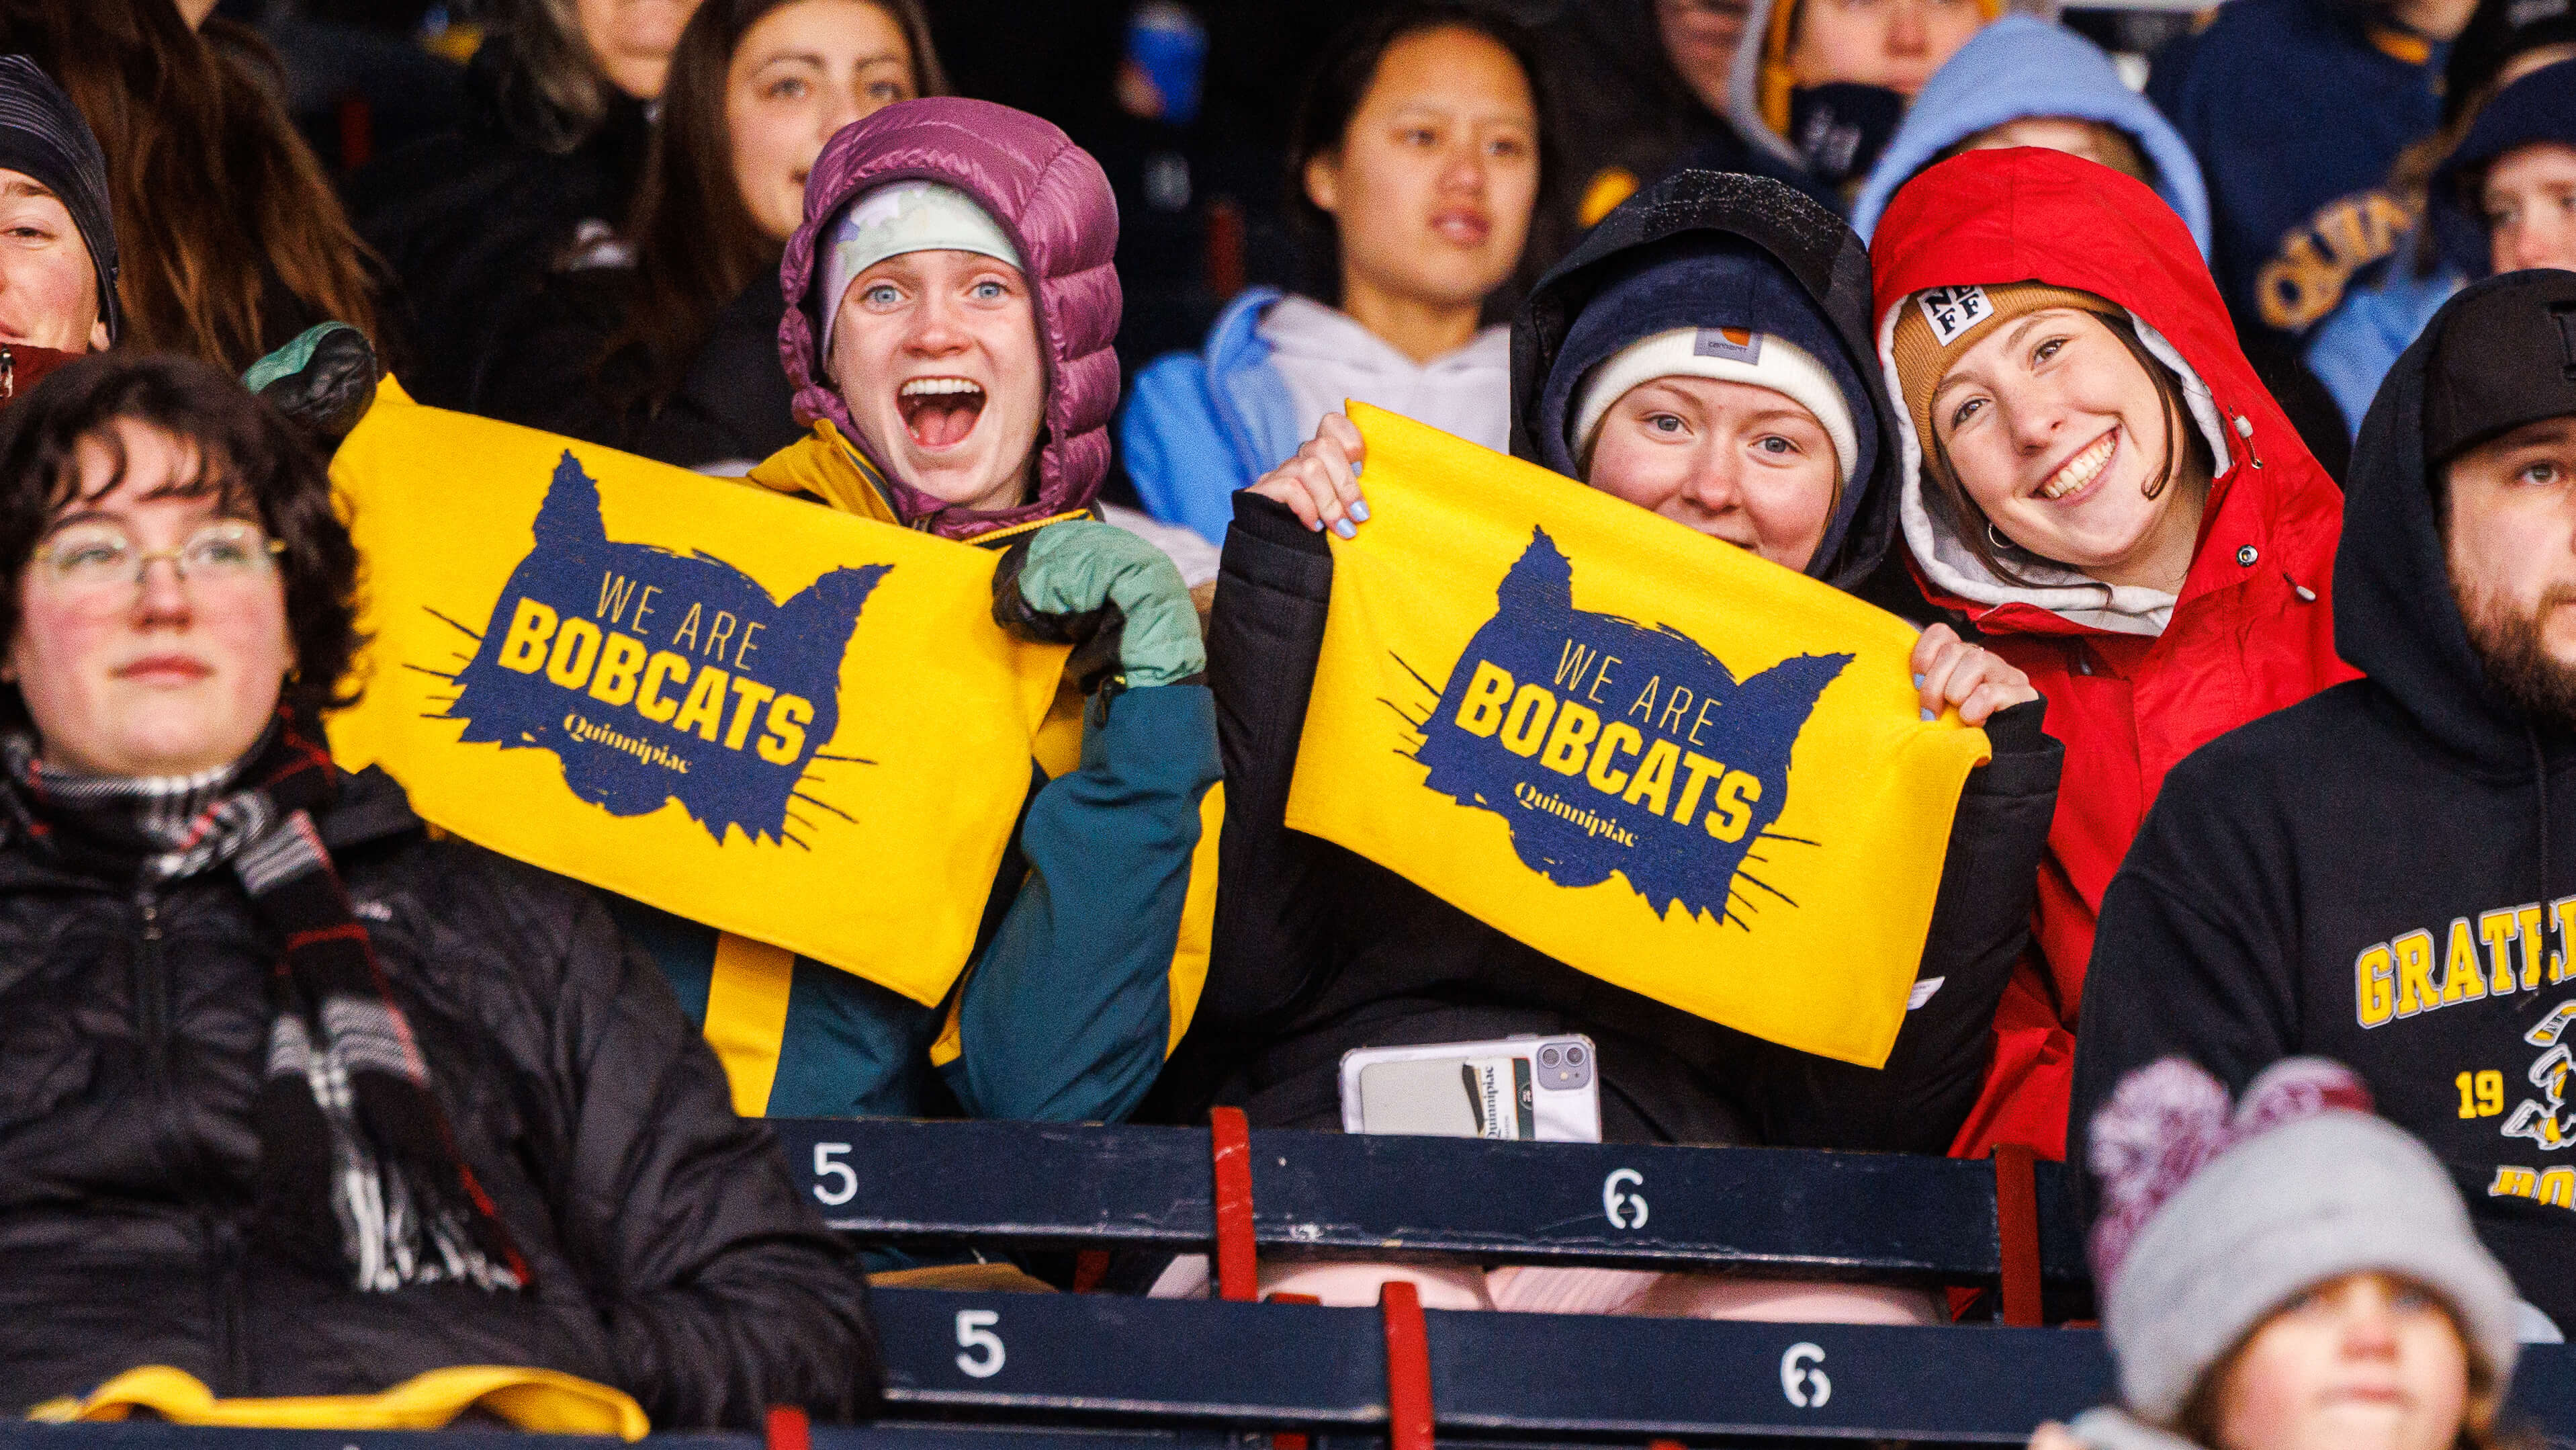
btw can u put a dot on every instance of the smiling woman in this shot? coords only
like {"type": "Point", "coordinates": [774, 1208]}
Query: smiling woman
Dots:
{"type": "Point", "coordinates": [1418, 158]}
{"type": "Point", "coordinates": [57, 265]}
{"type": "Point", "coordinates": [2097, 484]}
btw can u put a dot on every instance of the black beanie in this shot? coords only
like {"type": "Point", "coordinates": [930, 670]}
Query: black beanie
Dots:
{"type": "Point", "coordinates": [2505, 356]}
{"type": "Point", "coordinates": [43, 136]}
{"type": "Point", "coordinates": [2499, 30]}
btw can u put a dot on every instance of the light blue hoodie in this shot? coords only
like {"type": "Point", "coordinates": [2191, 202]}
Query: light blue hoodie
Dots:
{"type": "Point", "coordinates": [2024, 66]}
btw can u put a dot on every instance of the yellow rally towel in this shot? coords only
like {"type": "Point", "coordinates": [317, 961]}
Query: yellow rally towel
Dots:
{"type": "Point", "coordinates": [543, 1400]}
{"type": "Point", "coordinates": [1648, 754]}
{"type": "Point", "coordinates": [759, 714]}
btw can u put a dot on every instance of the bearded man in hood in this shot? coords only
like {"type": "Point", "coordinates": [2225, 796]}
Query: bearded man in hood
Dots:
{"type": "Point", "coordinates": [2385, 873]}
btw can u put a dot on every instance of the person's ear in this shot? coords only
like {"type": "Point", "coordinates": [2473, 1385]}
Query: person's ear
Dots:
{"type": "Point", "coordinates": [98, 335]}
{"type": "Point", "coordinates": [1324, 181]}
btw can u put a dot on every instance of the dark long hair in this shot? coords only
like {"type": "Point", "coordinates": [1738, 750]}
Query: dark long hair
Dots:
{"type": "Point", "coordinates": [1341, 79]}
{"type": "Point", "coordinates": [696, 245]}
{"type": "Point", "coordinates": [219, 205]}
{"type": "Point", "coordinates": [249, 459]}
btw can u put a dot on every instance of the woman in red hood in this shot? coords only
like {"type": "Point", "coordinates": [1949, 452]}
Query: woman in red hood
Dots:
{"type": "Point", "coordinates": [2095, 480]}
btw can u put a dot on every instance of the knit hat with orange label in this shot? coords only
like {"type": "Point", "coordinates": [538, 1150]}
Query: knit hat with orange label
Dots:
{"type": "Point", "coordinates": [1938, 324]}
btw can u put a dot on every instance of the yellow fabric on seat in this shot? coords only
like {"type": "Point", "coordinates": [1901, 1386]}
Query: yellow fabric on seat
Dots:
{"type": "Point", "coordinates": [545, 1401]}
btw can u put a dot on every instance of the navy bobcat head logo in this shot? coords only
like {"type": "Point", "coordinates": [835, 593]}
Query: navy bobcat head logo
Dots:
{"type": "Point", "coordinates": [1611, 747]}
{"type": "Point", "coordinates": [658, 676]}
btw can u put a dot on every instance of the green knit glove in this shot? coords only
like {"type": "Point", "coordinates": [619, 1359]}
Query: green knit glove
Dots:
{"type": "Point", "coordinates": [325, 380]}
{"type": "Point", "coordinates": [1115, 598]}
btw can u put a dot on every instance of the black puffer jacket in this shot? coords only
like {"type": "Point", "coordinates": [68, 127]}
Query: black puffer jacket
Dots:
{"type": "Point", "coordinates": [1317, 951]}
{"type": "Point", "coordinates": [672, 1253]}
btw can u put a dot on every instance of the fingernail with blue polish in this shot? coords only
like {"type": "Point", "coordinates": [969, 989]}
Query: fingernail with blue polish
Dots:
{"type": "Point", "coordinates": [1355, 469]}
{"type": "Point", "coordinates": [1928, 715]}
{"type": "Point", "coordinates": [1343, 528]}
{"type": "Point", "coordinates": [1359, 510]}
{"type": "Point", "coordinates": [1918, 682]}
{"type": "Point", "coordinates": [1317, 526]}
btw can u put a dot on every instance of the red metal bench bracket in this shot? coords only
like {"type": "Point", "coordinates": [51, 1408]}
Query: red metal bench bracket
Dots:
{"type": "Point", "coordinates": [1230, 1152]}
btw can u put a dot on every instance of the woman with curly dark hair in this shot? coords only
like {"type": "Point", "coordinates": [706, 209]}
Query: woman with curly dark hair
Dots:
{"type": "Point", "coordinates": [301, 1100]}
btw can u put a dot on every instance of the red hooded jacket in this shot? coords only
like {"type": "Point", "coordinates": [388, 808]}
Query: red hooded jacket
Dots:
{"type": "Point", "coordinates": [2251, 631]}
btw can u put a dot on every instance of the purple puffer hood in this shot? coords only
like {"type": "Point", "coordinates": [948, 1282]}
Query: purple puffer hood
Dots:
{"type": "Point", "coordinates": [1054, 203]}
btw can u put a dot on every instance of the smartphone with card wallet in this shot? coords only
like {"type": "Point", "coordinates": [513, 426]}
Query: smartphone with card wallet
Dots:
{"type": "Point", "coordinates": [1541, 1089]}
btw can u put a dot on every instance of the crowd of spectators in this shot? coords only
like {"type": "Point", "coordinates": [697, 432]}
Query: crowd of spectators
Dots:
{"type": "Point", "coordinates": [2072, 360]}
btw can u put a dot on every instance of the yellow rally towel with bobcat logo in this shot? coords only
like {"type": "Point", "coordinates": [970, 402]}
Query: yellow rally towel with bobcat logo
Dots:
{"type": "Point", "coordinates": [769, 717]}
{"type": "Point", "coordinates": [1651, 755]}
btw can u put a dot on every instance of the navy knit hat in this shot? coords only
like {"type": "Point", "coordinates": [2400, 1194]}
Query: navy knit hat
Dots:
{"type": "Point", "coordinates": [1702, 281]}
{"type": "Point", "coordinates": [43, 136]}
{"type": "Point", "coordinates": [2539, 107]}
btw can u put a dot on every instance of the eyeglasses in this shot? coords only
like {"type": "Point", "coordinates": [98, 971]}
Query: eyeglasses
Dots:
{"type": "Point", "coordinates": [93, 561]}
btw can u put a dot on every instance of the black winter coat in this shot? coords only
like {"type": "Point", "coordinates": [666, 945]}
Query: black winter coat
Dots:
{"type": "Point", "coordinates": [2380, 874]}
{"type": "Point", "coordinates": [673, 1256]}
{"type": "Point", "coordinates": [1317, 951]}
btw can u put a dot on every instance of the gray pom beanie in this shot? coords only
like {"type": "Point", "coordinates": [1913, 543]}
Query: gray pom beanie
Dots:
{"type": "Point", "coordinates": [2213, 1220]}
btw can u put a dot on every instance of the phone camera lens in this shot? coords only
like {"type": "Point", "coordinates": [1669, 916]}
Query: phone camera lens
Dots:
{"type": "Point", "coordinates": [1573, 1055]}
{"type": "Point", "coordinates": [1548, 1055]}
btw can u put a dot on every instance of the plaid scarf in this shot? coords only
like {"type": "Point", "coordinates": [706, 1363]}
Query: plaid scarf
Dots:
{"type": "Point", "coordinates": [359, 1172]}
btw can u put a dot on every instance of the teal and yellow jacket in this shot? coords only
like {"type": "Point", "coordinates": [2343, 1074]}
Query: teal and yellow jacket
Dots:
{"type": "Point", "coordinates": [1095, 935]}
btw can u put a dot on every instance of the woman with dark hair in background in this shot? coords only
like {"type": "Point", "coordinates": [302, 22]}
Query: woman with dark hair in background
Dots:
{"type": "Point", "coordinates": [536, 180]}
{"type": "Point", "coordinates": [1418, 160]}
{"type": "Point", "coordinates": [676, 356]}
{"type": "Point", "coordinates": [233, 241]}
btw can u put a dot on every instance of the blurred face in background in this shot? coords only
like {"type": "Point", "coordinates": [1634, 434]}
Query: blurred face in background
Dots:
{"type": "Point", "coordinates": [1892, 43]}
{"type": "Point", "coordinates": [632, 39]}
{"type": "Point", "coordinates": [1700, 39]}
{"type": "Point", "coordinates": [48, 287]}
{"type": "Point", "coordinates": [2092, 140]}
{"type": "Point", "coordinates": [800, 74]}
{"type": "Point", "coordinates": [1432, 186]}
{"type": "Point", "coordinates": [2365, 1362]}
{"type": "Point", "coordinates": [2530, 203]}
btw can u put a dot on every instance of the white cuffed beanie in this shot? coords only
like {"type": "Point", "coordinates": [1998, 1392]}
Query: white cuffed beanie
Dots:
{"type": "Point", "coordinates": [2212, 1221]}
{"type": "Point", "coordinates": [899, 217]}
{"type": "Point", "coordinates": [1728, 355]}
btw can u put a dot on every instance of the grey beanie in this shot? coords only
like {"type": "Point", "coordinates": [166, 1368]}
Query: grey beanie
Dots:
{"type": "Point", "coordinates": [2211, 1221]}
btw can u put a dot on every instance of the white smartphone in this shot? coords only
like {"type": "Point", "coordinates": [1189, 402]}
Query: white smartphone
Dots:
{"type": "Point", "coordinates": [1546, 1089]}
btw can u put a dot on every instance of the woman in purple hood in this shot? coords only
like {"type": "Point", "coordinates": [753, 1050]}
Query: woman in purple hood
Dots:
{"type": "Point", "coordinates": [950, 305]}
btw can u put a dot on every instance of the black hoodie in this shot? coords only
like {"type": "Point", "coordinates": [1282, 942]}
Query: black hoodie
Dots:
{"type": "Point", "coordinates": [2379, 875]}
{"type": "Point", "coordinates": [1317, 951]}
